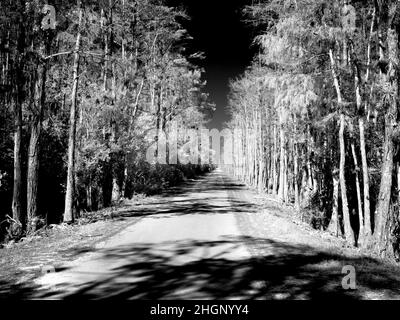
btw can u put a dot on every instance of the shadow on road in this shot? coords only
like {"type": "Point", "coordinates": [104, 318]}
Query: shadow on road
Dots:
{"type": "Point", "coordinates": [285, 271]}
{"type": "Point", "coordinates": [182, 200]}
{"type": "Point", "coordinates": [288, 272]}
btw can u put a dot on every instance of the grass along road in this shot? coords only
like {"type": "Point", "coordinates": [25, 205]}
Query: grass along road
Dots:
{"type": "Point", "coordinates": [215, 239]}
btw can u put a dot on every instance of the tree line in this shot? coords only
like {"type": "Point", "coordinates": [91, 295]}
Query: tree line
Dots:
{"type": "Point", "coordinates": [82, 82]}
{"type": "Point", "coordinates": [319, 108]}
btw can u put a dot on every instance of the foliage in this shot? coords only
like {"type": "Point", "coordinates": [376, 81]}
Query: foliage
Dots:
{"type": "Point", "coordinates": [134, 77]}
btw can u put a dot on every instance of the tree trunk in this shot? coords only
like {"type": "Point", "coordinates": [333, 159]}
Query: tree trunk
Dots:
{"type": "Point", "coordinates": [116, 156]}
{"type": "Point", "coordinates": [274, 164]}
{"type": "Point", "coordinates": [34, 145]}
{"type": "Point", "coordinates": [17, 188]}
{"type": "Point", "coordinates": [382, 235]}
{"type": "Point", "coordinates": [281, 192]}
{"type": "Point", "coordinates": [126, 175]}
{"type": "Point", "coordinates": [310, 180]}
{"type": "Point", "coordinates": [349, 234]}
{"type": "Point", "coordinates": [70, 193]}
{"type": "Point", "coordinates": [286, 175]}
{"type": "Point", "coordinates": [345, 208]}
{"type": "Point", "coordinates": [334, 223]}
{"type": "Point", "coordinates": [367, 212]}
{"type": "Point", "coordinates": [296, 178]}
{"type": "Point", "coordinates": [360, 238]}
{"type": "Point", "coordinates": [365, 223]}
{"type": "Point", "coordinates": [17, 209]}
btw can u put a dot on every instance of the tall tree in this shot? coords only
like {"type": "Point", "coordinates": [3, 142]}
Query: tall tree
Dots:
{"type": "Point", "coordinates": [70, 195]}
{"type": "Point", "coordinates": [17, 202]}
{"type": "Point", "coordinates": [41, 46]}
{"type": "Point", "coordinates": [385, 218]}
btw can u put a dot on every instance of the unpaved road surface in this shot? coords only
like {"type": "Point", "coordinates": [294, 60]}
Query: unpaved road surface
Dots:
{"type": "Point", "coordinates": [215, 239]}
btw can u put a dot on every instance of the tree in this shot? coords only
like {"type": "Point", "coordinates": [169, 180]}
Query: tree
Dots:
{"type": "Point", "coordinates": [70, 193]}
{"type": "Point", "coordinates": [385, 219]}
{"type": "Point", "coordinates": [349, 53]}
{"type": "Point", "coordinates": [88, 136]}
{"type": "Point", "coordinates": [17, 202]}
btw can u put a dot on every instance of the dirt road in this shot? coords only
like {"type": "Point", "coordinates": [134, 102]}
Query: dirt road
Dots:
{"type": "Point", "coordinates": [214, 239]}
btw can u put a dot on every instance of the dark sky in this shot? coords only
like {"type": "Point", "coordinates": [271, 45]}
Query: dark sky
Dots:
{"type": "Point", "coordinates": [218, 31]}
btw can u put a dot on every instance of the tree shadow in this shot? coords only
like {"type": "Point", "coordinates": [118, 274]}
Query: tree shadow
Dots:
{"type": "Point", "coordinates": [183, 200]}
{"type": "Point", "coordinates": [285, 272]}
{"type": "Point", "coordinates": [191, 269]}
